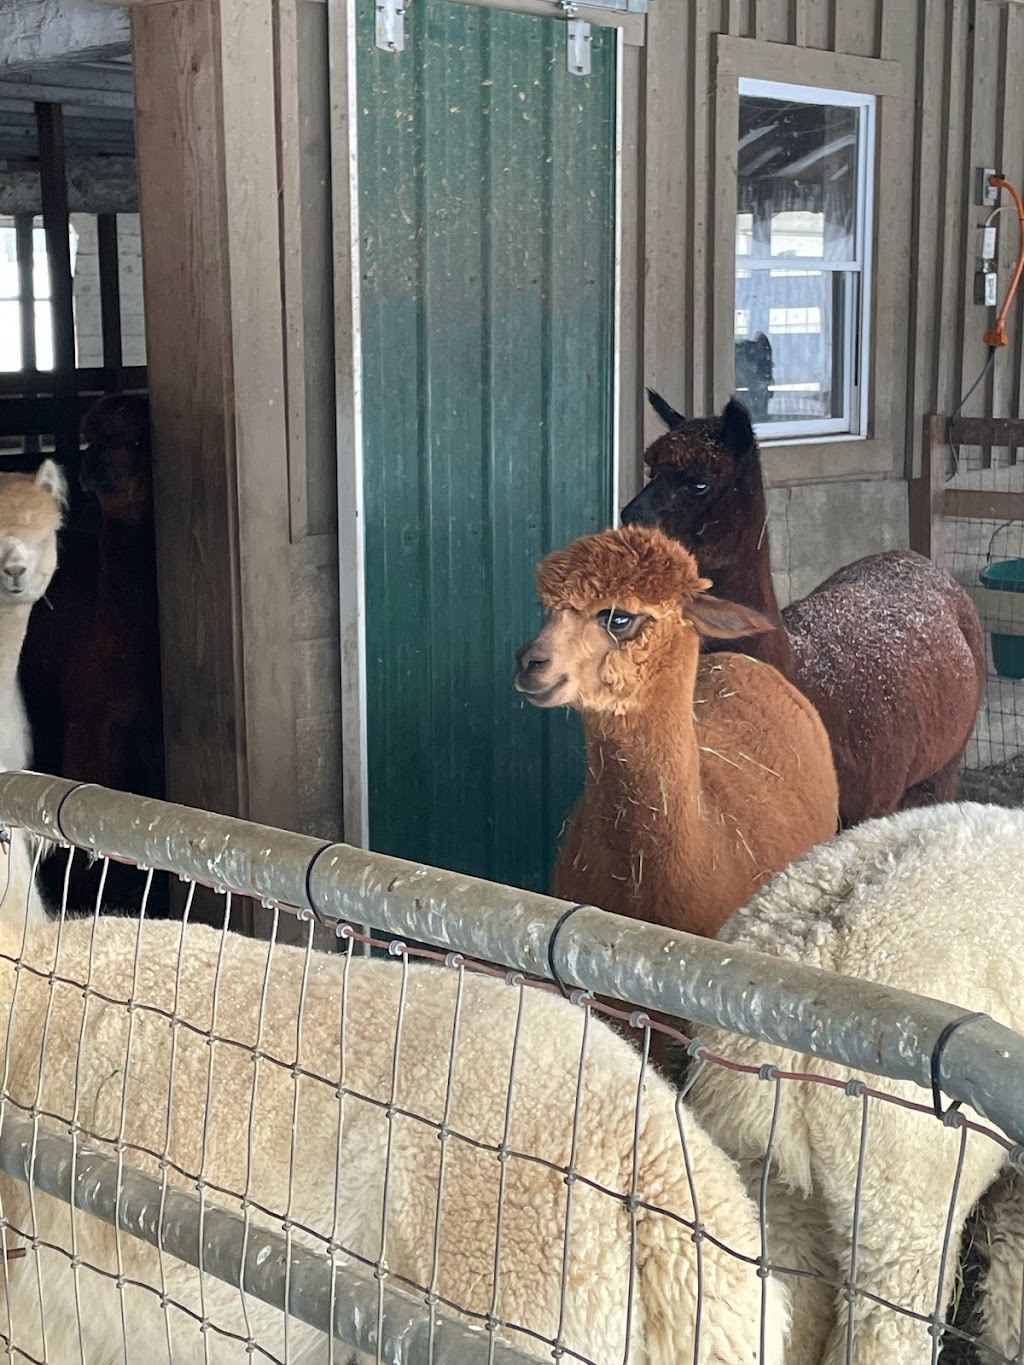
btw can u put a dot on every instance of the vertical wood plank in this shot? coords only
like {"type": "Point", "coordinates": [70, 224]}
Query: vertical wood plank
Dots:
{"type": "Point", "coordinates": [347, 391]}
{"type": "Point", "coordinates": [668, 229]}
{"type": "Point", "coordinates": [855, 29]}
{"type": "Point", "coordinates": [258, 409]}
{"type": "Point", "coordinates": [701, 209]}
{"type": "Point", "coordinates": [208, 202]}
{"type": "Point", "coordinates": [286, 74]}
{"type": "Point", "coordinates": [54, 187]}
{"type": "Point", "coordinates": [798, 22]}
{"type": "Point", "coordinates": [1005, 396]}
{"type": "Point", "coordinates": [317, 376]}
{"type": "Point", "coordinates": [630, 279]}
{"type": "Point", "coordinates": [26, 289]}
{"type": "Point", "coordinates": [948, 353]}
{"type": "Point", "coordinates": [926, 492]}
{"type": "Point", "coordinates": [110, 297]}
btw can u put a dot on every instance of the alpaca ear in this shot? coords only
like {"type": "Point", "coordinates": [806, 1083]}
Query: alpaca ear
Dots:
{"type": "Point", "coordinates": [722, 620]}
{"type": "Point", "coordinates": [665, 411]}
{"type": "Point", "coordinates": [50, 476]}
{"type": "Point", "coordinates": [737, 432]}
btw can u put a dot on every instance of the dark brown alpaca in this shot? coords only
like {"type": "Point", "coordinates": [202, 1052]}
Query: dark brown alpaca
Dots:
{"type": "Point", "coordinates": [112, 712]}
{"type": "Point", "coordinates": [889, 649]}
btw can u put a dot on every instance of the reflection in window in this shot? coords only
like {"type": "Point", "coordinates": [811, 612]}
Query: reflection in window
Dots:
{"type": "Point", "coordinates": [802, 233]}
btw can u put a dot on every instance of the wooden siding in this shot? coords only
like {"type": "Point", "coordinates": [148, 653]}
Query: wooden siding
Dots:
{"type": "Point", "coordinates": [958, 110]}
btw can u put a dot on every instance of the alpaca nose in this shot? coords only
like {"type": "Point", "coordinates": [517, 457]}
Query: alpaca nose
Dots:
{"type": "Point", "coordinates": [15, 574]}
{"type": "Point", "coordinates": [529, 659]}
{"type": "Point", "coordinates": [640, 512]}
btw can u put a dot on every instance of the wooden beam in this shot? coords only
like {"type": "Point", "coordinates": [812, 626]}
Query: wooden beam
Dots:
{"type": "Point", "coordinates": [988, 431]}
{"type": "Point", "coordinates": [208, 190]}
{"type": "Point", "coordinates": [36, 31]}
{"type": "Point", "coordinates": [89, 380]}
{"type": "Point", "coordinates": [925, 493]}
{"type": "Point", "coordinates": [26, 289]}
{"type": "Point", "coordinates": [110, 293]}
{"type": "Point", "coordinates": [53, 179]}
{"type": "Point", "coordinates": [979, 503]}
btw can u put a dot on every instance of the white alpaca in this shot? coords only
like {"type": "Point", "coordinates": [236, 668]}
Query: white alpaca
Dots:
{"type": "Point", "coordinates": [929, 900]}
{"type": "Point", "coordinates": [31, 511]}
{"type": "Point", "coordinates": [541, 1123]}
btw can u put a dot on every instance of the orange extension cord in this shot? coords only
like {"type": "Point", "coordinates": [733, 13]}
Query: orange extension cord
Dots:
{"type": "Point", "coordinates": [997, 335]}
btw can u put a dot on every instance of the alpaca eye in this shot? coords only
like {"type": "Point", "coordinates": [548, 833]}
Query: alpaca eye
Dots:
{"type": "Point", "coordinates": [615, 622]}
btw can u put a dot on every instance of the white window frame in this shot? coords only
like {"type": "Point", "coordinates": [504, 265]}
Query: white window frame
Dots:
{"type": "Point", "coordinates": [857, 350]}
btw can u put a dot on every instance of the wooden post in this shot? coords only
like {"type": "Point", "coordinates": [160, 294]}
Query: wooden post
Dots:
{"type": "Point", "coordinates": [208, 197]}
{"type": "Point", "coordinates": [26, 313]}
{"type": "Point", "coordinates": [54, 187]}
{"type": "Point", "coordinates": [110, 298]}
{"type": "Point", "coordinates": [927, 492]}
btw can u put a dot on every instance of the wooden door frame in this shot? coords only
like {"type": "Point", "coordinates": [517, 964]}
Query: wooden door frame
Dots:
{"type": "Point", "coordinates": [627, 347]}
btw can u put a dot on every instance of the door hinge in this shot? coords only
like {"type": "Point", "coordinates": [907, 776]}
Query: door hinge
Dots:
{"type": "Point", "coordinates": [389, 28]}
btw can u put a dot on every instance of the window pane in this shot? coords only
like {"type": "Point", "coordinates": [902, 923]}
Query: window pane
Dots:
{"type": "Point", "coordinates": [10, 335]}
{"type": "Point", "coordinates": [40, 268]}
{"type": "Point", "coordinates": [797, 178]}
{"type": "Point", "coordinates": [44, 337]}
{"type": "Point", "coordinates": [799, 282]}
{"type": "Point", "coordinates": [792, 343]}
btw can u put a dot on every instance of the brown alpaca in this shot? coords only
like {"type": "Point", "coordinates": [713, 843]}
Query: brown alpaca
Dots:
{"type": "Point", "coordinates": [112, 708]}
{"type": "Point", "coordinates": [704, 776]}
{"type": "Point", "coordinates": [889, 649]}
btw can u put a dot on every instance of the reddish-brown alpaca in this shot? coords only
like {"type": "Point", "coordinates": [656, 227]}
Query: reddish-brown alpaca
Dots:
{"type": "Point", "coordinates": [889, 649]}
{"type": "Point", "coordinates": [704, 776]}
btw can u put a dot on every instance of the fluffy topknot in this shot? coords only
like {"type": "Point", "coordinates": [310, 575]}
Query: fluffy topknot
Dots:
{"type": "Point", "coordinates": [116, 417]}
{"type": "Point", "coordinates": [634, 567]}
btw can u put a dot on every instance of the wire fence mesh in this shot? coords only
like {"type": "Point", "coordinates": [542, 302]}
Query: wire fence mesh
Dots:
{"type": "Point", "coordinates": [986, 555]}
{"type": "Point", "coordinates": [215, 1148]}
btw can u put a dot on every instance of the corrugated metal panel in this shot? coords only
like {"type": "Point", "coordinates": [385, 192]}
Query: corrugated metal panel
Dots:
{"type": "Point", "coordinates": [486, 210]}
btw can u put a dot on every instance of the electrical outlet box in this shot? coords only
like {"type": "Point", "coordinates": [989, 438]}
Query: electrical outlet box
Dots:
{"type": "Point", "coordinates": [985, 288]}
{"type": "Point", "coordinates": [987, 195]}
{"type": "Point", "coordinates": [986, 243]}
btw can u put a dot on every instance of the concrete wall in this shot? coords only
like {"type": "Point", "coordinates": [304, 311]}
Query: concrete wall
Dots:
{"type": "Point", "coordinates": [817, 528]}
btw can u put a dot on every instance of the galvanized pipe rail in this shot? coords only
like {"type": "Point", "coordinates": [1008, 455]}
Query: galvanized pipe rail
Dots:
{"type": "Point", "coordinates": [850, 1022]}
{"type": "Point", "coordinates": [257, 1259]}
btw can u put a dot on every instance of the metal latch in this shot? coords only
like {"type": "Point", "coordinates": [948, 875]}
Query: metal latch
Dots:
{"type": "Point", "coordinates": [577, 51]}
{"type": "Point", "coordinates": [578, 39]}
{"type": "Point", "coordinates": [389, 26]}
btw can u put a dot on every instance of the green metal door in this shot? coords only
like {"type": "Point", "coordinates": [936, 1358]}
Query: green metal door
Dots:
{"type": "Point", "coordinates": [486, 201]}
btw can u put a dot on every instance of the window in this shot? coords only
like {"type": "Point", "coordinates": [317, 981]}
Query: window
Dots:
{"type": "Point", "coordinates": [11, 302]}
{"type": "Point", "coordinates": [803, 234]}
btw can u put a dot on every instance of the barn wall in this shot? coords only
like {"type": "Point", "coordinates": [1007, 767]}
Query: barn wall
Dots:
{"type": "Point", "coordinates": [958, 110]}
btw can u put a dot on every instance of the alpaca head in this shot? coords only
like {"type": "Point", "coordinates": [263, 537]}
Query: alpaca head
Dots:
{"type": "Point", "coordinates": [31, 512]}
{"type": "Point", "coordinates": [704, 471]}
{"type": "Point", "coordinates": [116, 463]}
{"type": "Point", "coordinates": [624, 609]}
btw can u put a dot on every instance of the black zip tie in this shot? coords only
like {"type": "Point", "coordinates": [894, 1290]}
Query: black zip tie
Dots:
{"type": "Point", "coordinates": [60, 810]}
{"type": "Point", "coordinates": [317, 914]}
{"type": "Point", "coordinates": [937, 1051]}
{"type": "Point", "coordinates": [552, 971]}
